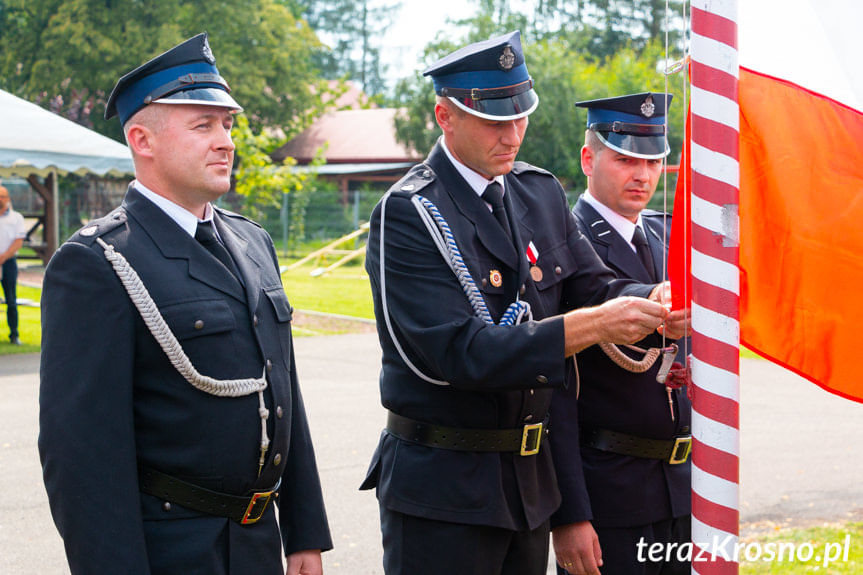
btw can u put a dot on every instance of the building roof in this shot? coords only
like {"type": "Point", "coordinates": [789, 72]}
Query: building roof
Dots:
{"type": "Point", "coordinates": [353, 136]}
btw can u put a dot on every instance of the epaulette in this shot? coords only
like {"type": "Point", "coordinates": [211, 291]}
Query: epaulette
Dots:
{"type": "Point", "coordinates": [415, 180]}
{"type": "Point", "coordinates": [230, 214]}
{"type": "Point", "coordinates": [520, 167]}
{"type": "Point", "coordinates": [99, 227]}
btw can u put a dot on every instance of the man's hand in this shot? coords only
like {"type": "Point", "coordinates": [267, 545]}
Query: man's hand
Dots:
{"type": "Point", "coordinates": [678, 324]}
{"type": "Point", "coordinates": [576, 547]}
{"type": "Point", "coordinates": [306, 562]}
{"type": "Point", "coordinates": [620, 320]}
{"type": "Point", "coordinates": [661, 293]}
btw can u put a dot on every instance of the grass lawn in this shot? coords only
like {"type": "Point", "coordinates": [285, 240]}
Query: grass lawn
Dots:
{"type": "Point", "coordinates": [344, 291]}
{"type": "Point", "coordinates": [29, 327]}
{"type": "Point", "coordinates": [817, 550]}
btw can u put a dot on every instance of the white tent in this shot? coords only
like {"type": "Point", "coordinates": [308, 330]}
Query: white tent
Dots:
{"type": "Point", "coordinates": [36, 143]}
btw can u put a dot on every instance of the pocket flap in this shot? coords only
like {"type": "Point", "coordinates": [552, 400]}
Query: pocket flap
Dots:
{"type": "Point", "coordinates": [277, 297]}
{"type": "Point", "coordinates": [198, 318]}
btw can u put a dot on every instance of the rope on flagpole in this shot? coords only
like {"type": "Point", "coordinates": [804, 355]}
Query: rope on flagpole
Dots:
{"type": "Point", "coordinates": [715, 300]}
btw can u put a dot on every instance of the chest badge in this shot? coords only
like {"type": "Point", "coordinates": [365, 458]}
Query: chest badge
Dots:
{"type": "Point", "coordinates": [495, 278]}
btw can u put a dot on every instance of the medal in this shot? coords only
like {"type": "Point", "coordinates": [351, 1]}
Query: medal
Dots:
{"type": "Point", "coordinates": [532, 257]}
{"type": "Point", "coordinates": [495, 278]}
{"type": "Point", "coordinates": [536, 273]}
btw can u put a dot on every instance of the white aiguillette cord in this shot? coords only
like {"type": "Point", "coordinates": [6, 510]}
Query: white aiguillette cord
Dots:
{"type": "Point", "coordinates": [168, 342]}
{"type": "Point", "coordinates": [444, 240]}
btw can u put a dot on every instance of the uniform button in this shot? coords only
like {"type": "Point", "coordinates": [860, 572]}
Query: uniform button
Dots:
{"type": "Point", "coordinates": [279, 411]}
{"type": "Point", "coordinates": [528, 418]}
{"type": "Point", "coordinates": [557, 270]}
{"type": "Point", "coordinates": [484, 282]}
{"type": "Point", "coordinates": [531, 392]}
{"type": "Point", "coordinates": [255, 320]}
{"type": "Point", "coordinates": [541, 379]}
{"type": "Point", "coordinates": [522, 289]}
{"type": "Point", "coordinates": [166, 506]}
{"type": "Point", "coordinates": [277, 459]}
{"type": "Point", "coordinates": [269, 365]}
{"type": "Point", "coordinates": [199, 324]}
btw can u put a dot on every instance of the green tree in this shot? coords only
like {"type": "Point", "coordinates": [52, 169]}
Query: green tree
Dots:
{"type": "Point", "coordinates": [353, 29]}
{"type": "Point", "coordinates": [69, 53]}
{"type": "Point", "coordinates": [597, 28]}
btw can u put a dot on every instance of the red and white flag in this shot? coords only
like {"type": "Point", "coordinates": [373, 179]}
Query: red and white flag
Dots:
{"type": "Point", "coordinates": [801, 189]}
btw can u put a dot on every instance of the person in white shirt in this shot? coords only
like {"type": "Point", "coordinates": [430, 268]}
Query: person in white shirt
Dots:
{"type": "Point", "coordinates": [12, 234]}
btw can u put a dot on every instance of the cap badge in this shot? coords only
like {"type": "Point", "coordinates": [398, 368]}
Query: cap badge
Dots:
{"type": "Point", "coordinates": [507, 59]}
{"type": "Point", "coordinates": [207, 53]}
{"type": "Point", "coordinates": [647, 108]}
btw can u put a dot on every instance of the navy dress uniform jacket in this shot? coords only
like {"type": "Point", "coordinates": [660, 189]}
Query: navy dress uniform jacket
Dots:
{"type": "Point", "coordinates": [499, 376]}
{"type": "Point", "coordinates": [625, 491]}
{"type": "Point", "coordinates": [110, 400]}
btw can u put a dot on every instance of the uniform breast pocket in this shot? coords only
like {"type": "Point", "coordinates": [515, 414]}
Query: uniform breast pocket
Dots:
{"type": "Point", "coordinates": [283, 313]}
{"type": "Point", "coordinates": [202, 326]}
{"type": "Point", "coordinates": [190, 320]}
{"type": "Point", "coordinates": [555, 264]}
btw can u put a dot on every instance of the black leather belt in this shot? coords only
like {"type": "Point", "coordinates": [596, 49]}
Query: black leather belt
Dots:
{"type": "Point", "coordinates": [675, 450]}
{"type": "Point", "coordinates": [244, 509]}
{"type": "Point", "coordinates": [523, 440]}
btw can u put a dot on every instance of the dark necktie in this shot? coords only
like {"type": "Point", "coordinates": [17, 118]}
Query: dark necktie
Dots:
{"type": "Point", "coordinates": [206, 236]}
{"type": "Point", "coordinates": [643, 251]}
{"type": "Point", "coordinates": [493, 194]}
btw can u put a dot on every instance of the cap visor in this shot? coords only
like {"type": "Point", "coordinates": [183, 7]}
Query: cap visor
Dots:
{"type": "Point", "coordinates": [647, 147]}
{"type": "Point", "coordinates": [203, 97]}
{"type": "Point", "coordinates": [509, 108]}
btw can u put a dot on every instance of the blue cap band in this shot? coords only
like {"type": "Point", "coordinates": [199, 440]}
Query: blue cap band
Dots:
{"type": "Point", "coordinates": [602, 116]}
{"type": "Point", "coordinates": [481, 79]}
{"type": "Point", "coordinates": [132, 99]}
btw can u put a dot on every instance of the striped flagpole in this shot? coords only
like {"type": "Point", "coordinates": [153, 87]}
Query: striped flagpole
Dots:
{"type": "Point", "coordinates": [715, 286]}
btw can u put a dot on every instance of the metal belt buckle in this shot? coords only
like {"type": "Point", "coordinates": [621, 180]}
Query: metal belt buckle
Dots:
{"type": "Point", "coordinates": [264, 496]}
{"type": "Point", "coordinates": [531, 436]}
{"type": "Point", "coordinates": [680, 451]}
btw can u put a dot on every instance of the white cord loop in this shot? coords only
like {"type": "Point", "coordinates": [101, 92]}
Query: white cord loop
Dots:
{"type": "Point", "coordinates": [171, 346]}
{"type": "Point", "coordinates": [444, 240]}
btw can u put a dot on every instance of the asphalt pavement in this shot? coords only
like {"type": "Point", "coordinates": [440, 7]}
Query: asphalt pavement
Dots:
{"type": "Point", "coordinates": [801, 454]}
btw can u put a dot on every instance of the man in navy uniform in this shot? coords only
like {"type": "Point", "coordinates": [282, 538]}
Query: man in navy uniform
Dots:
{"type": "Point", "coordinates": [463, 473]}
{"type": "Point", "coordinates": [634, 431]}
{"type": "Point", "coordinates": [168, 436]}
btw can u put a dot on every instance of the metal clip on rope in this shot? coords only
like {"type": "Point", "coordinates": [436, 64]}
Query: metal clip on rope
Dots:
{"type": "Point", "coordinates": [171, 346]}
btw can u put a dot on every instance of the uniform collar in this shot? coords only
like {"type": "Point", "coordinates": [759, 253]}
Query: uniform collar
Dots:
{"type": "Point", "coordinates": [477, 182]}
{"type": "Point", "coordinates": [183, 217]}
{"type": "Point", "coordinates": [621, 225]}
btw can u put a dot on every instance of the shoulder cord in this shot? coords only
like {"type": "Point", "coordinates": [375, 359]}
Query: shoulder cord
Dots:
{"type": "Point", "coordinates": [445, 242]}
{"type": "Point", "coordinates": [168, 342]}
